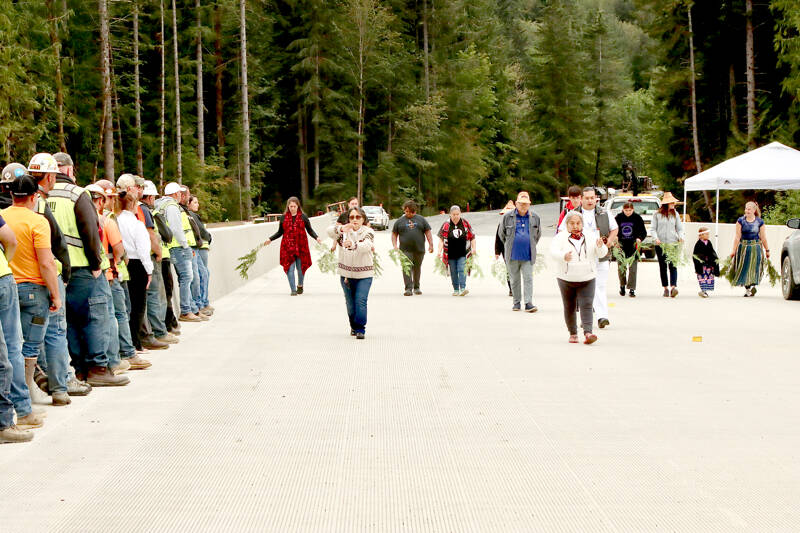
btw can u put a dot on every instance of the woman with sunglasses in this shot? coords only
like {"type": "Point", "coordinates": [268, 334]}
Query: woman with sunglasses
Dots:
{"type": "Point", "coordinates": [295, 255]}
{"type": "Point", "coordinates": [356, 267]}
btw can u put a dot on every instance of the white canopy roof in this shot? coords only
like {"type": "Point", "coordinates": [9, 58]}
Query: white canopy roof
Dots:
{"type": "Point", "coordinates": [774, 166]}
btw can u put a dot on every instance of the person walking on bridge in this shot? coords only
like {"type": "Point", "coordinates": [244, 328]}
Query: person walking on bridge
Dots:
{"type": "Point", "coordinates": [668, 229]}
{"type": "Point", "coordinates": [356, 266]}
{"type": "Point", "coordinates": [520, 231]}
{"type": "Point", "coordinates": [295, 255]}
{"type": "Point", "coordinates": [598, 220]}
{"type": "Point", "coordinates": [411, 230]}
{"type": "Point", "coordinates": [456, 244]}
{"type": "Point", "coordinates": [750, 250]}
{"type": "Point", "coordinates": [576, 253]}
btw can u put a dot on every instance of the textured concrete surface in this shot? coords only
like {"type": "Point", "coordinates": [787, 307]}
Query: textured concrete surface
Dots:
{"type": "Point", "coordinates": [455, 414]}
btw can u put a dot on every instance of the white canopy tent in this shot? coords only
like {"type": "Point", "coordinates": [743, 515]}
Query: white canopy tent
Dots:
{"type": "Point", "coordinates": [774, 167]}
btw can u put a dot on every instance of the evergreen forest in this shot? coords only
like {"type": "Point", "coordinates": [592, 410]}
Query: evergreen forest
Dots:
{"type": "Point", "coordinates": [464, 102]}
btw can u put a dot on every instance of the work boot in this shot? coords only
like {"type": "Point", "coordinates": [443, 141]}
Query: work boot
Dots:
{"type": "Point", "coordinates": [137, 363]}
{"type": "Point", "coordinates": [208, 310]}
{"type": "Point", "coordinates": [61, 398]}
{"type": "Point", "coordinates": [122, 367]}
{"type": "Point", "coordinates": [37, 396]}
{"type": "Point", "coordinates": [203, 312]}
{"type": "Point", "coordinates": [41, 380]}
{"type": "Point", "coordinates": [151, 343]}
{"type": "Point", "coordinates": [100, 376]}
{"type": "Point", "coordinates": [190, 317]}
{"type": "Point", "coordinates": [169, 338]}
{"type": "Point", "coordinates": [30, 421]}
{"type": "Point", "coordinates": [202, 317]}
{"type": "Point", "coordinates": [13, 434]}
{"type": "Point", "coordinates": [75, 387]}
{"type": "Point", "coordinates": [175, 331]}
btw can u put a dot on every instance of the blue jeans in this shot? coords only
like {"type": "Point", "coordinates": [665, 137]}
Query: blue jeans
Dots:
{"type": "Point", "coordinates": [195, 282]}
{"type": "Point", "coordinates": [157, 302]}
{"type": "Point", "coordinates": [34, 303]}
{"type": "Point", "coordinates": [458, 273]}
{"type": "Point", "coordinates": [204, 276]}
{"type": "Point", "coordinates": [295, 267]}
{"type": "Point", "coordinates": [182, 261]}
{"type": "Point", "coordinates": [112, 346]}
{"type": "Point", "coordinates": [6, 371]}
{"type": "Point", "coordinates": [54, 357]}
{"type": "Point", "coordinates": [356, 292]}
{"type": "Point", "coordinates": [124, 342]}
{"type": "Point", "coordinates": [19, 394]}
{"type": "Point", "coordinates": [87, 319]}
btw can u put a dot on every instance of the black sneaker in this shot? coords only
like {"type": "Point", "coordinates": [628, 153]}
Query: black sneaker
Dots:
{"type": "Point", "coordinates": [530, 308]}
{"type": "Point", "coordinates": [632, 293]}
{"type": "Point", "coordinates": [516, 307]}
{"type": "Point", "coordinates": [360, 336]}
{"type": "Point", "coordinates": [603, 322]}
{"type": "Point", "coordinates": [352, 333]}
{"type": "Point", "coordinates": [407, 293]}
{"type": "Point", "coordinates": [622, 291]}
{"type": "Point", "coordinates": [417, 292]}
{"type": "Point", "coordinates": [299, 289]}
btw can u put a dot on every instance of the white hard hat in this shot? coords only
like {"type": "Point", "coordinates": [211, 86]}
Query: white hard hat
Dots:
{"type": "Point", "coordinates": [125, 181]}
{"type": "Point", "coordinates": [171, 188]}
{"type": "Point", "coordinates": [150, 189]}
{"type": "Point", "coordinates": [43, 163]}
{"type": "Point", "coordinates": [96, 189]}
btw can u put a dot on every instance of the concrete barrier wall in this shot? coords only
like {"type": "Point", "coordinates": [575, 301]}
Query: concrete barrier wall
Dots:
{"type": "Point", "coordinates": [232, 242]}
{"type": "Point", "coordinates": [775, 237]}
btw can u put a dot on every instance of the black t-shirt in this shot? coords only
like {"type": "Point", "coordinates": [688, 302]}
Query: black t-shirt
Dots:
{"type": "Point", "coordinates": [456, 241]}
{"type": "Point", "coordinates": [412, 233]}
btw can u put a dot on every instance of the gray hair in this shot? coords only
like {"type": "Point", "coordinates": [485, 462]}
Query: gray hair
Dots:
{"type": "Point", "coordinates": [572, 214]}
{"type": "Point", "coordinates": [453, 208]}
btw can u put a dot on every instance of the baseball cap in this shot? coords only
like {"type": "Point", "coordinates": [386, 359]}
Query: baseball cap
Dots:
{"type": "Point", "coordinates": [63, 160]}
{"type": "Point", "coordinates": [12, 170]}
{"type": "Point", "coordinates": [96, 189]}
{"type": "Point", "coordinates": [172, 188]}
{"type": "Point", "coordinates": [43, 163]}
{"type": "Point", "coordinates": [107, 186]}
{"type": "Point", "coordinates": [125, 181]}
{"type": "Point", "coordinates": [24, 185]}
{"type": "Point", "coordinates": [150, 189]}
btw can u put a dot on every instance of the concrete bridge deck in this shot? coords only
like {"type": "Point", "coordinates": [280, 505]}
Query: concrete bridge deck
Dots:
{"type": "Point", "coordinates": [455, 414]}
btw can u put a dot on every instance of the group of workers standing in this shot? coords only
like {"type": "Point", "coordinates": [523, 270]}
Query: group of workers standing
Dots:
{"type": "Point", "coordinates": [86, 283]}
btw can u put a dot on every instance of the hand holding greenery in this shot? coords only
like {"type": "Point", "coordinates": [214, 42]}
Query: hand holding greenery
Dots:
{"type": "Point", "coordinates": [400, 259]}
{"type": "Point", "coordinates": [326, 261]}
{"type": "Point", "coordinates": [499, 271]}
{"type": "Point", "coordinates": [247, 260]}
{"type": "Point", "coordinates": [674, 253]}
{"type": "Point", "coordinates": [473, 267]}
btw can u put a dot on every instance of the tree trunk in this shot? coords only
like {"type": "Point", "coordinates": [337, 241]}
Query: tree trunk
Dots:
{"type": "Point", "coordinates": [302, 152]}
{"type": "Point", "coordinates": [315, 121]}
{"type": "Point", "coordinates": [695, 136]}
{"type": "Point", "coordinates": [389, 128]}
{"type": "Point", "coordinates": [178, 132]}
{"type": "Point", "coordinates": [201, 147]}
{"type": "Point", "coordinates": [425, 49]}
{"type": "Point", "coordinates": [245, 107]}
{"type": "Point", "coordinates": [163, 92]}
{"type": "Point", "coordinates": [751, 77]}
{"type": "Point", "coordinates": [116, 111]}
{"type": "Point", "coordinates": [732, 98]}
{"type": "Point", "coordinates": [56, 43]}
{"type": "Point", "coordinates": [108, 127]}
{"type": "Point", "coordinates": [218, 74]}
{"type": "Point", "coordinates": [137, 97]}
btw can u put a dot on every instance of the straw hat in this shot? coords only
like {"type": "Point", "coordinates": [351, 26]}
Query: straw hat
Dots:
{"type": "Point", "coordinates": [509, 207]}
{"type": "Point", "coordinates": [669, 199]}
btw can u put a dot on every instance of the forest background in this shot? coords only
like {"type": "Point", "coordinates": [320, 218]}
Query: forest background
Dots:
{"type": "Point", "coordinates": [444, 101]}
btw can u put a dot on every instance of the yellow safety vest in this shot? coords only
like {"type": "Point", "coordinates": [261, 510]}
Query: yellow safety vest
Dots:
{"type": "Point", "coordinates": [40, 205]}
{"type": "Point", "coordinates": [187, 229]}
{"type": "Point", "coordinates": [174, 242]}
{"type": "Point", "coordinates": [122, 268]}
{"type": "Point", "coordinates": [4, 268]}
{"type": "Point", "coordinates": [61, 201]}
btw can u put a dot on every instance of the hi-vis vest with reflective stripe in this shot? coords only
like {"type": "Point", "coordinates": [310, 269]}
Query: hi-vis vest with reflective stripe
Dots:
{"type": "Point", "coordinates": [162, 210]}
{"type": "Point", "coordinates": [4, 268]}
{"type": "Point", "coordinates": [61, 200]}
{"type": "Point", "coordinates": [40, 205]}
{"type": "Point", "coordinates": [187, 229]}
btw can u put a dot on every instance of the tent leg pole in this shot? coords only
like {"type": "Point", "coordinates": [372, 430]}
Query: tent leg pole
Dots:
{"type": "Point", "coordinates": [716, 231]}
{"type": "Point", "coordinates": [684, 205]}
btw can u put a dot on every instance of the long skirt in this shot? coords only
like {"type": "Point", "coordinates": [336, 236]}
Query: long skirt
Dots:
{"type": "Point", "coordinates": [748, 264]}
{"type": "Point", "coordinates": [706, 279]}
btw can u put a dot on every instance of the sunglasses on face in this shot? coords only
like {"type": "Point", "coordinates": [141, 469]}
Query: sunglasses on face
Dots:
{"type": "Point", "coordinates": [356, 217]}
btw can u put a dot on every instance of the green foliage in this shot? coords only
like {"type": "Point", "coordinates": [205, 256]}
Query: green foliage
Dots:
{"type": "Point", "coordinates": [248, 260]}
{"type": "Point", "coordinates": [786, 206]}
